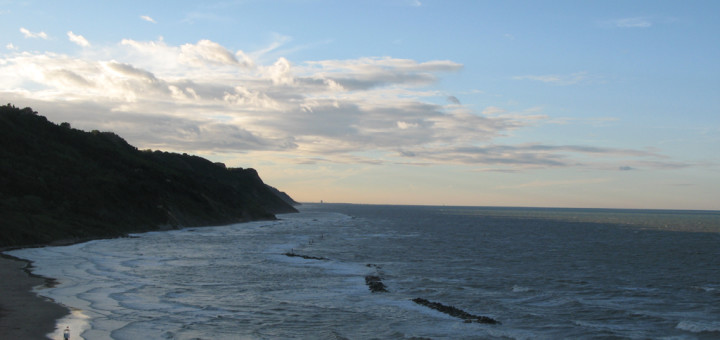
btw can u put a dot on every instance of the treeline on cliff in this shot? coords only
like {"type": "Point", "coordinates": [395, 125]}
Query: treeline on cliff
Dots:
{"type": "Point", "coordinates": [60, 183]}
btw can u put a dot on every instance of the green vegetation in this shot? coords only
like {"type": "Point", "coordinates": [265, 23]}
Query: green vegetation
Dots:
{"type": "Point", "coordinates": [63, 184]}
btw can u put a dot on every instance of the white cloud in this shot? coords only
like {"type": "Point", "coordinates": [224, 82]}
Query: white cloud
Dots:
{"type": "Point", "coordinates": [10, 46]}
{"type": "Point", "coordinates": [206, 51]}
{"type": "Point", "coordinates": [28, 34]}
{"type": "Point", "coordinates": [406, 125]}
{"type": "Point", "coordinates": [148, 19]}
{"type": "Point", "coordinates": [280, 72]}
{"type": "Point", "coordinates": [78, 39]}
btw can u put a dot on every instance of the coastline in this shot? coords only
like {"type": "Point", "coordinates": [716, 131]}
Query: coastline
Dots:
{"type": "Point", "coordinates": [23, 313]}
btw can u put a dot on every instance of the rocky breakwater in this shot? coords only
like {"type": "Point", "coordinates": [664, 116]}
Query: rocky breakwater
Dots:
{"type": "Point", "coordinates": [456, 312]}
{"type": "Point", "coordinates": [376, 285]}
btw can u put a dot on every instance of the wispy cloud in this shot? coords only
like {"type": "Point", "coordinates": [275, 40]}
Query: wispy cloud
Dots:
{"type": "Point", "coordinates": [525, 156]}
{"type": "Point", "coordinates": [28, 34]}
{"type": "Point", "coordinates": [555, 183]}
{"type": "Point", "coordinates": [634, 22]}
{"type": "Point", "coordinates": [148, 19]}
{"type": "Point", "coordinates": [78, 39]}
{"type": "Point", "coordinates": [493, 110]}
{"type": "Point", "coordinates": [557, 79]}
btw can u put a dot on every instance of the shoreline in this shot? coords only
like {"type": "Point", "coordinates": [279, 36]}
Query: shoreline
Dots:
{"type": "Point", "coordinates": [23, 313]}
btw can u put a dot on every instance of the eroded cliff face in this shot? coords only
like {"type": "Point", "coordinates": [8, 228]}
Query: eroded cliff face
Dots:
{"type": "Point", "coordinates": [59, 183]}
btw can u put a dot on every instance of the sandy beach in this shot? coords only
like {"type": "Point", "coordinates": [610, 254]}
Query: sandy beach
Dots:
{"type": "Point", "coordinates": [24, 314]}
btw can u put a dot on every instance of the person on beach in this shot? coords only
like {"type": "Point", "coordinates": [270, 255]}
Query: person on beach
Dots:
{"type": "Point", "coordinates": [66, 333]}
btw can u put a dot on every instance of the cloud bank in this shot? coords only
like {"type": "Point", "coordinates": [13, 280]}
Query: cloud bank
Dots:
{"type": "Point", "coordinates": [205, 98]}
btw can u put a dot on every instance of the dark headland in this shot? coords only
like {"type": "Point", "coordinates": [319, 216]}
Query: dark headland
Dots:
{"type": "Point", "coordinates": [60, 185]}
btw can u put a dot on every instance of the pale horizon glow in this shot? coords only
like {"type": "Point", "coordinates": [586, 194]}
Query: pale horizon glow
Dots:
{"type": "Point", "coordinates": [557, 104]}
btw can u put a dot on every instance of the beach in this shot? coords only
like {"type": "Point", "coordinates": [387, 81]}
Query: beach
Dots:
{"type": "Point", "coordinates": [24, 314]}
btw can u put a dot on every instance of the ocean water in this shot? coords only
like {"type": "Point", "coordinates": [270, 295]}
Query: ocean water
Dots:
{"type": "Point", "coordinates": [543, 273]}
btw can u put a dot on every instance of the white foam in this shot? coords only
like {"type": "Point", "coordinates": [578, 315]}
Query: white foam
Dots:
{"type": "Point", "coordinates": [707, 289]}
{"type": "Point", "coordinates": [520, 289]}
{"type": "Point", "coordinates": [699, 326]}
{"type": "Point", "coordinates": [76, 321]}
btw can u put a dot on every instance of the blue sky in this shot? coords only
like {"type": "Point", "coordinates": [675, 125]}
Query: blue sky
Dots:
{"type": "Point", "coordinates": [509, 103]}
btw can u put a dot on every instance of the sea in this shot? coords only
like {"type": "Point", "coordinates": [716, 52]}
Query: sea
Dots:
{"type": "Point", "coordinates": [542, 273]}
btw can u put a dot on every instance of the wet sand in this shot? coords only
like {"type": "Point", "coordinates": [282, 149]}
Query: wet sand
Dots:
{"type": "Point", "coordinates": [24, 314]}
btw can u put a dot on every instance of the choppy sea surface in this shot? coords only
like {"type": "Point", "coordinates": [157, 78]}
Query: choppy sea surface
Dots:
{"type": "Point", "coordinates": [543, 273]}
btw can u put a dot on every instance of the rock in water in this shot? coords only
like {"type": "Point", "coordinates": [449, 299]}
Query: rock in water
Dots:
{"type": "Point", "coordinates": [307, 257]}
{"type": "Point", "coordinates": [375, 284]}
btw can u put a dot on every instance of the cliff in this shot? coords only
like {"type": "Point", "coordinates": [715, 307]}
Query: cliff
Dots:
{"type": "Point", "coordinates": [59, 183]}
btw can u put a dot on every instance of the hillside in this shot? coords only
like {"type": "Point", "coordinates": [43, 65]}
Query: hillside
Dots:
{"type": "Point", "coordinates": [59, 183]}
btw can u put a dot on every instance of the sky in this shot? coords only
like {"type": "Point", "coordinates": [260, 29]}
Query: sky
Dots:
{"type": "Point", "coordinates": [598, 104]}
